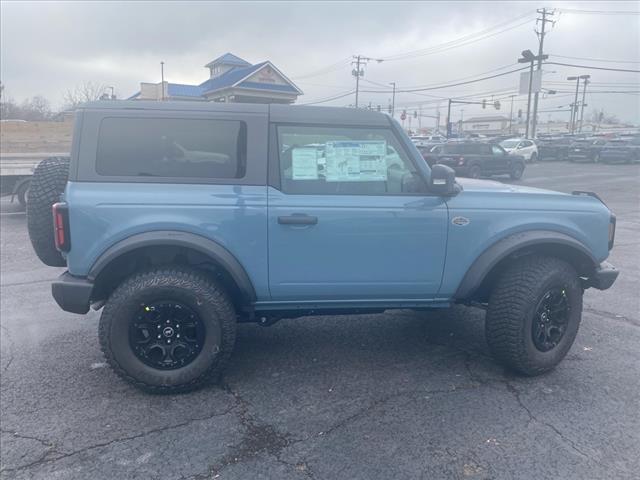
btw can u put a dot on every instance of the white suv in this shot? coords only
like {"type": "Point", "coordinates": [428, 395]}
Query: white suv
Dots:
{"type": "Point", "coordinates": [521, 146]}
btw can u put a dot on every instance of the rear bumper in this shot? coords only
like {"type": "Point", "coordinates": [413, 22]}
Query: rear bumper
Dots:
{"type": "Point", "coordinates": [604, 276]}
{"type": "Point", "coordinates": [71, 293]}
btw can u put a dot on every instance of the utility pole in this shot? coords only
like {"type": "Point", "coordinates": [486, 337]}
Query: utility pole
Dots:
{"type": "Point", "coordinates": [449, 119]}
{"type": "Point", "coordinates": [574, 108]}
{"type": "Point", "coordinates": [358, 72]}
{"type": "Point", "coordinates": [162, 77]}
{"type": "Point", "coordinates": [393, 99]}
{"type": "Point", "coordinates": [511, 114]}
{"type": "Point", "coordinates": [584, 94]}
{"type": "Point", "coordinates": [544, 20]}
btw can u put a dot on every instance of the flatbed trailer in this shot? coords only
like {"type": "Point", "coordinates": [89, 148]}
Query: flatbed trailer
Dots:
{"type": "Point", "coordinates": [16, 170]}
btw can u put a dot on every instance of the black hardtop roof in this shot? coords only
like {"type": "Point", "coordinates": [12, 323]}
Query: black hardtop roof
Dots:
{"type": "Point", "coordinates": [276, 112]}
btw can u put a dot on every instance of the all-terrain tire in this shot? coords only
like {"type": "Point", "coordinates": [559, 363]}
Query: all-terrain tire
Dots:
{"type": "Point", "coordinates": [512, 307]}
{"type": "Point", "coordinates": [47, 184]}
{"type": "Point", "coordinates": [22, 193]}
{"type": "Point", "coordinates": [475, 171]}
{"type": "Point", "coordinates": [179, 284]}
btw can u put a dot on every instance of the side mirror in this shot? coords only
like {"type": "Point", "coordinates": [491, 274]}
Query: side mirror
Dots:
{"type": "Point", "coordinates": [443, 180]}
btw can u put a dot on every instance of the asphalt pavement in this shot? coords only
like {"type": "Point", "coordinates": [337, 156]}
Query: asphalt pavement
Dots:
{"type": "Point", "coordinates": [399, 395]}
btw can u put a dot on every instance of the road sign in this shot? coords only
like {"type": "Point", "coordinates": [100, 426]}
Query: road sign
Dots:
{"type": "Point", "coordinates": [536, 84]}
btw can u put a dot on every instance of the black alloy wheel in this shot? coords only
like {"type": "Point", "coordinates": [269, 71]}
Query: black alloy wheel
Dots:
{"type": "Point", "coordinates": [550, 319]}
{"type": "Point", "coordinates": [166, 335]}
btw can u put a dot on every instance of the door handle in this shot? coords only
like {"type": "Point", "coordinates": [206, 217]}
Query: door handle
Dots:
{"type": "Point", "coordinates": [297, 219]}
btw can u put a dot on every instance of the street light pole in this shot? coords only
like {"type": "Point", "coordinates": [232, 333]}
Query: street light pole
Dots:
{"type": "Point", "coordinates": [393, 99]}
{"type": "Point", "coordinates": [511, 114]}
{"type": "Point", "coordinates": [449, 119]}
{"type": "Point", "coordinates": [526, 129]}
{"type": "Point", "coordinates": [530, 58]}
{"type": "Point", "coordinates": [584, 94]}
{"type": "Point", "coordinates": [162, 79]}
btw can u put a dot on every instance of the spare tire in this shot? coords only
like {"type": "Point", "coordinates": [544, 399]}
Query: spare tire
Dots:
{"type": "Point", "coordinates": [47, 184]}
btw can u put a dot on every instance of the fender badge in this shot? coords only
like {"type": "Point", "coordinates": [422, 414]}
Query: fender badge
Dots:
{"type": "Point", "coordinates": [460, 221]}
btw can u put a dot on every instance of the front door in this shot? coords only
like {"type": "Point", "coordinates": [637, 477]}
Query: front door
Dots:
{"type": "Point", "coordinates": [350, 220]}
{"type": "Point", "coordinates": [500, 160]}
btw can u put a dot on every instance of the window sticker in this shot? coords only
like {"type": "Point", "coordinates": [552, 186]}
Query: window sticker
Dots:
{"type": "Point", "coordinates": [356, 161]}
{"type": "Point", "coordinates": [304, 163]}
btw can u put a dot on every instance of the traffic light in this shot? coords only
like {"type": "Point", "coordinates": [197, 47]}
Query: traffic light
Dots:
{"type": "Point", "coordinates": [389, 109]}
{"type": "Point", "coordinates": [520, 113]}
{"type": "Point", "coordinates": [496, 104]}
{"type": "Point", "coordinates": [484, 103]}
{"type": "Point", "coordinates": [415, 114]}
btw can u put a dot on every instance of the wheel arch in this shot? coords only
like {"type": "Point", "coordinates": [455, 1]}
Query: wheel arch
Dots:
{"type": "Point", "coordinates": [479, 278]}
{"type": "Point", "coordinates": [168, 246]}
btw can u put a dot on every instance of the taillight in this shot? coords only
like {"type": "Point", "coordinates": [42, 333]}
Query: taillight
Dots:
{"type": "Point", "coordinates": [612, 230]}
{"type": "Point", "coordinates": [461, 161]}
{"type": "Point", "coordinates": [61, 226]}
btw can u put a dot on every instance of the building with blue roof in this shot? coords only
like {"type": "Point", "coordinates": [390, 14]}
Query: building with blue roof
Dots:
{"type": "Point", "coordinates": [231, 79]}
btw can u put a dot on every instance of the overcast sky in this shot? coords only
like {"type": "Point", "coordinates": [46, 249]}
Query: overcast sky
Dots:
{"type": "Point", "coordinates": [49, 47]}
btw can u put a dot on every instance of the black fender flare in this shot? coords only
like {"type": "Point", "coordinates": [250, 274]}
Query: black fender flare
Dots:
{"type": "Point", "coordinates": [506, 246]}
{"type": "Point", "coordinates": [204, 245]}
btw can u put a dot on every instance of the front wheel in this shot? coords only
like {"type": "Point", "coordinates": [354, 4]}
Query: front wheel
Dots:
{"type": "Point", "coordinates": [534, 158]}
{"type": "Point", "coordinates": [516, 171]}
{"type": "Point", "coordinates": [596, 158]}
{"type": "Point", "coordinates": [534, 314]}
{"type": "Point", "coordinates": [168, 330]}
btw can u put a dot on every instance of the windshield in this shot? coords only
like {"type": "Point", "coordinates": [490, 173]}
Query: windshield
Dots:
{"type": "Point", "coordinates": [509, 143]}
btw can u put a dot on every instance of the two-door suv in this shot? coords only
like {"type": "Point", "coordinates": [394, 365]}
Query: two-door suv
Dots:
{"type": "Point", "coordinates": [181, 219]}
{"type": "Point", "coordinates": [475, 159]}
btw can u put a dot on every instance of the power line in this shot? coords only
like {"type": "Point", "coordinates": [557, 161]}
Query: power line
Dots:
{"type": "Point", "coordinates": [595, 59]}
{"type": "Point", "coordinates": [592, 67]}
{"type": "Point", "coordinates": [324, 100]}
{"type": "Point", "coordinates": [473, 37]}
{"type": "Point", "coordinates": [600, 12]}
{"type": "Point", "coordinates": [323, 71]}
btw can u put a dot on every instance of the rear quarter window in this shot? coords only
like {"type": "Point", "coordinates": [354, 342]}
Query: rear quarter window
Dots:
{"type": "Point", "coordinates": [171, 148]}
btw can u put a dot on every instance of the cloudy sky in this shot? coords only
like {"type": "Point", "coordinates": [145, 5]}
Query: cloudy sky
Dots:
{"type": "Point", "coordinates": [49, 47]}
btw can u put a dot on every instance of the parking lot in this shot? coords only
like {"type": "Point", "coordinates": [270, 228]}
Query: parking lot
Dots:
{"type": "Point", "coordinates": [395, 395]}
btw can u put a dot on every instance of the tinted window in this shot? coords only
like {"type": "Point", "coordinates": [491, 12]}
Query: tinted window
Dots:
{"type": "Point", "coordinates": [462, 148]}
{"type": "Point", "coordinates": [171, 147]}
{"type": "Point", "coordinates": [343, 161]}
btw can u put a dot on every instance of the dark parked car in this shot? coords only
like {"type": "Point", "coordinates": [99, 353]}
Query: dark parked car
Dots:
{"type": "Point", "coordinates": [430, 152]}
{"type": "Point", "coordinates": [587, 150]}
{"type": "Point", "coordinates": [473, 159]}
{"type": "Point", "coordinates": [554, 148]}
{"type": "Point", "coordinates": [621, 151]}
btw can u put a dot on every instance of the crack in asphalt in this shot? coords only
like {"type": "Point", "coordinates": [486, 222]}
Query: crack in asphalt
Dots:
{"type": "Point", "coordinates": [111, 442]}
{"type": "Point", "coordinates": [11, 348]}
{"type": "Point", "coordinates": [532, 418]}
{"type": "Point", "coordinates": [614, 316]}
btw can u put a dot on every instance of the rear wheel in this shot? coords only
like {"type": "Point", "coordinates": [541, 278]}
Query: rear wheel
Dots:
{"type": "Point", "coordinates": [168, 330]}
{"type": "Point", "coordinates": [475, 171]}
{"type": "Point", "coordinates": [534, 314]}
{"type": "Point", "coordinates": [596, 158]}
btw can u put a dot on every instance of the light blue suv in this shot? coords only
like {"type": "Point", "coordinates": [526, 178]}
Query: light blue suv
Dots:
{"type": "Point", "coordinates": [182, 219]}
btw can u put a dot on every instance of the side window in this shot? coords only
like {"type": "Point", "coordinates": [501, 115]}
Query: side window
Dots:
{"type": "Point", "coordinates": [171, 147]}
{"type": "Point", "coordinates": [526, 143]}
{"type": "Point", "coordinates": [496, 150]}
{"type": "Point", "coordinates": [343, 161]}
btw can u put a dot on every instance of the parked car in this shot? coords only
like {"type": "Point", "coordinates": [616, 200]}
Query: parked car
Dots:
{"type": "Point", "coordinates": [426, 140]}
{"type": "Point", "coordinates": [521, 146]}
{"type": "Point", "coordinates": [475, 160]}
{"type": "Point", "coordinates": [430, 152]}
{"type": "Point", "coordinates": [587, 150]}
{"type": "Point", "coordinates": [621, 151]}
{"type": "Point", "coordinates": [273, 211]}
{"type": "Point", "coordinates": [552, 149]}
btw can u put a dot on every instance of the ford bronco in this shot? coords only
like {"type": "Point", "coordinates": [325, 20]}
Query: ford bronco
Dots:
{"type": "Point", "coordinates": [179, 220]}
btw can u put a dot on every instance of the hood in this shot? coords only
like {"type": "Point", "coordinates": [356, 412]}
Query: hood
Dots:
{"type": "Point", "coordinates": [509, 150]}
{"type": "Point", "coordinates": [475, 185]}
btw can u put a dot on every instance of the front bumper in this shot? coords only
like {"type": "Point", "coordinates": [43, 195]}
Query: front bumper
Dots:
{"type": "Point", "coordinates": [72, 294]}
{"type": "Point", "coordinates": [604, 276]}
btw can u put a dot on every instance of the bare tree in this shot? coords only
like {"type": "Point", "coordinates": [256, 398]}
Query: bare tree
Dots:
{"type": "Point", "coordinates": [85, 92]}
